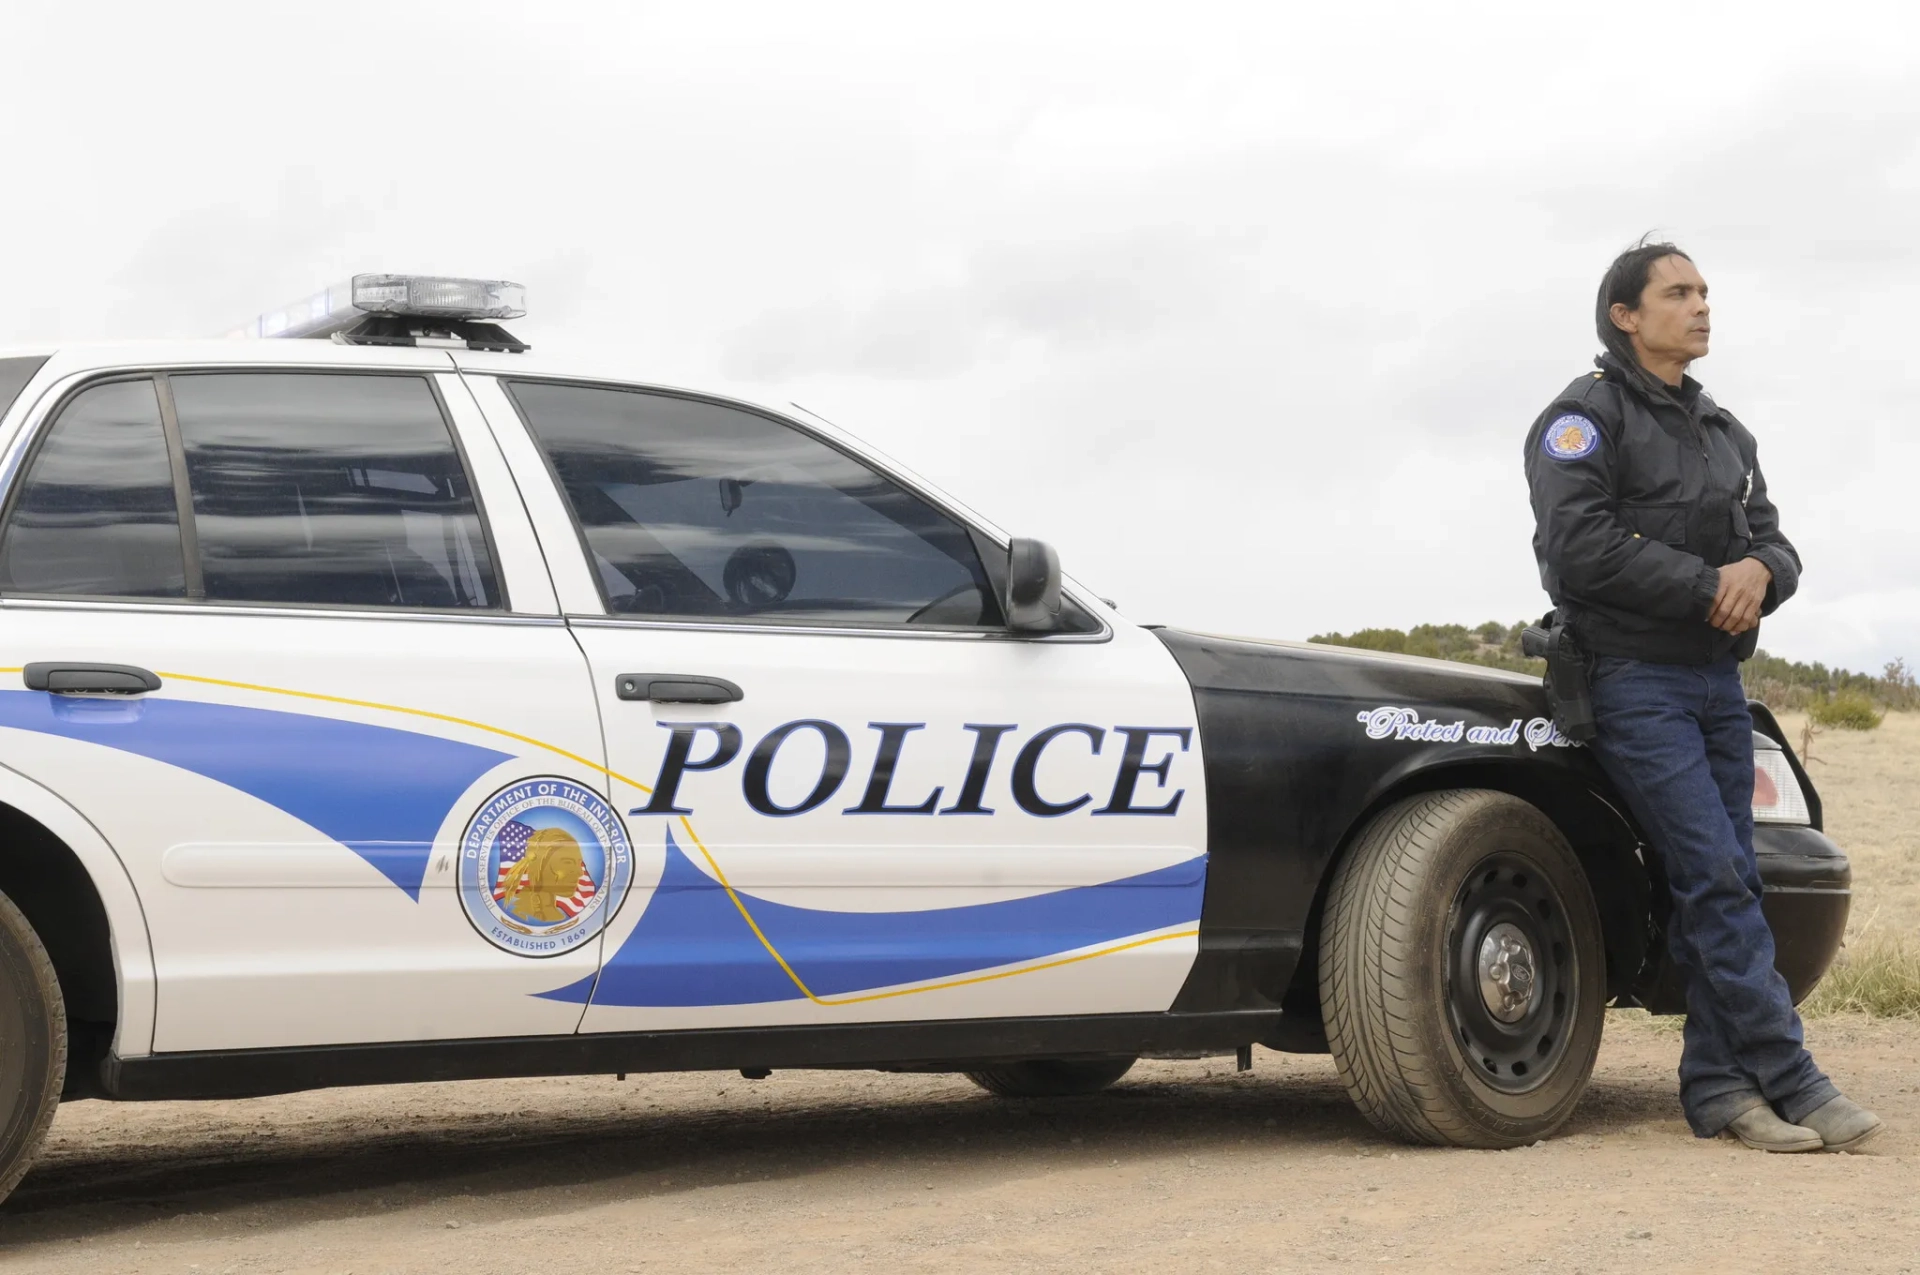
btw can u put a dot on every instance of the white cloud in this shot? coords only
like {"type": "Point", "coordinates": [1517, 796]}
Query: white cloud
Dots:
{"type": "Point", "coordinates": [1245, 306]}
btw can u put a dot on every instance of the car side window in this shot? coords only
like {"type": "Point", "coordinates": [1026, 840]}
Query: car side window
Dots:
{"type": "Point", "coordinates": [330, 489]}
{"type": "Point", "coordinates": [95, 514]}
{"type": "Point", "coordinates": [693, 509]}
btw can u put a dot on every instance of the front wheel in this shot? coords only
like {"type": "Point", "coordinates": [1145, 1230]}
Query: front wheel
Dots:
{"type": "Point", "coordinates": [33, 1044]}
{"type": "Point", "coordinates": [1462, 971]}
{"type": "Point", "coordinates": [1051, 1077]}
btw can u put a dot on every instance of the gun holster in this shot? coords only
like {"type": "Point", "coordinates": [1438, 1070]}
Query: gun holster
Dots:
{"type": "Point", "coordinates": [1569, 679]}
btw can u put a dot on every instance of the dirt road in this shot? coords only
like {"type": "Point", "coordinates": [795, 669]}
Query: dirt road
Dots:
{"type": "Point", "coordinates": [1183, 1166]}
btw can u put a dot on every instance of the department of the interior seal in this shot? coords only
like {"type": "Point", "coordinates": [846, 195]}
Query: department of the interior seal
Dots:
{"type": "Point", "coordinates": [1570, 437]}
{"type": "Point", "coordinates": [544, 865]}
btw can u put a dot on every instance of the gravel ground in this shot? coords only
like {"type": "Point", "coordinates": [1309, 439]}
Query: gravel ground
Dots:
{"type": "Point", "coordinates": [1183, 1165]}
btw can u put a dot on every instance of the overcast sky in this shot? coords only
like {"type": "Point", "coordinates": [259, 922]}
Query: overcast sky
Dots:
{"type": "Point", "coordinates": [1245, 308]}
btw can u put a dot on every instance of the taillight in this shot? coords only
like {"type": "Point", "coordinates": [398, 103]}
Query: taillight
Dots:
{"type": "Point", "coordinates": [1776, 793]}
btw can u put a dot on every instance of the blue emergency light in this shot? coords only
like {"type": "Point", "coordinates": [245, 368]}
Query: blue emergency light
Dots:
{"type": "Point", "coordinates": [401, 309]}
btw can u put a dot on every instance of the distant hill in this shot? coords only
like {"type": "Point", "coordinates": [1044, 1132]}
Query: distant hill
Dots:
{"type": "Point", "coordinates": [1783, 684]}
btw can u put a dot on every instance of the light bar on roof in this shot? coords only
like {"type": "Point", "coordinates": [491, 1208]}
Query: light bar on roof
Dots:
{"type": "Point", "coordinates": [346, 305]}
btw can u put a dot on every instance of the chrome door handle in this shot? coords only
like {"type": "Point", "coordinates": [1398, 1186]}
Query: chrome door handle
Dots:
{"type": "Point", "coordinates": [64, 677]}
{"type": "Point", "coordinates": [677, 688]}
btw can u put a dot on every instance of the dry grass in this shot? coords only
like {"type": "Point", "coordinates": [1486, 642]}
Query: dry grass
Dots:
{"type": "Point", "coordinates": [1869, 782]}
{"type": "Point", "coordinates": [1878, 976]}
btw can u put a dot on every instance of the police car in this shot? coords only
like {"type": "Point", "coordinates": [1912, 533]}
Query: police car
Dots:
{"type": "Point", "coordinates": [395, 705]}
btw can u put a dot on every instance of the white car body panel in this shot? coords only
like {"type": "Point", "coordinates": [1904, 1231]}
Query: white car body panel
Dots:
{"type": "Point", "coordinates": [132, 951]}
{"type": "Point", "coordinates": [250, 951]}
{"type": "Point", "coordinates": [835, 869]}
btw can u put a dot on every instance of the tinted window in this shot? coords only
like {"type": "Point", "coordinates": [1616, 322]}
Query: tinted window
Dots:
{"type": "Point", "coordinates": [96, 512]}
{"type": "Point", "coordinates": [696, 509]}
{"type": "Point", "coordinates": [330, 489]}
{"type": "Point", "coordinates": [14, 375]}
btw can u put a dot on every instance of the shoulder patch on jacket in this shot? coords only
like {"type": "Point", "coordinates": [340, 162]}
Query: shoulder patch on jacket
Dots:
{"type": "Point", "coordinates": [1570, 437]}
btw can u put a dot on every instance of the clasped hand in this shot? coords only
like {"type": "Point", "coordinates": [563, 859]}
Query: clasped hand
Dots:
{"type": "Point", "coordinates": [1743, 589]}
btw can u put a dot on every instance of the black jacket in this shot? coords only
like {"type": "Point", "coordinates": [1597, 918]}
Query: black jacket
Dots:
{"type": "Point", "coordinates": [1640, 493]}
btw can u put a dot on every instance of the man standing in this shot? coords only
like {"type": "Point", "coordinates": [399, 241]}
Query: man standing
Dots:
{"type": "Point", "coordinates": [1659, 546]}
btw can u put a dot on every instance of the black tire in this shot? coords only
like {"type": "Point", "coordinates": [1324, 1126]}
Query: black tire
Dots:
{"type": "Point", "coordinates": [33, 1044]}
{"type": "Point", "coordinates": [1433, 886]}
{"type": "Point", "coordinates": [1051, 1077]}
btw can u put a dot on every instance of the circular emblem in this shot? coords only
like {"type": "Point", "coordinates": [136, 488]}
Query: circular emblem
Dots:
{"type": "Point", "coordinates": [544, 865]}
{"type": "Point", "coordinates": [1570, 437]}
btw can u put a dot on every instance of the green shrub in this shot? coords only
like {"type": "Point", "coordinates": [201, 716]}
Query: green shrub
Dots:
{"type": "Point", "coordinates": [1366, 639]}
{"type": "Point", "coordinates": [1878, 976]}
{"type": "Point", "coordinates": [1845, 710]}
{"type": "Point", "coordinates": [1492, 644]}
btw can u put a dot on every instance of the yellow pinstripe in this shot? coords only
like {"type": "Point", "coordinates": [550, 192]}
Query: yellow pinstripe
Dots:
{"type": "Point", "coordinates": [719, 875]}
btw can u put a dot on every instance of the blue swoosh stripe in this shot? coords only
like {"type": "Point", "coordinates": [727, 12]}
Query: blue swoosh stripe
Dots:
{"type": "Point", "coordinates": [382, 793]}
{"type": "Point", "coordinates": [692, 947]}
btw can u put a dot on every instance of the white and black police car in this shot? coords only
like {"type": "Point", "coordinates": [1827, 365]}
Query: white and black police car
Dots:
{"type": "Point", "coordinates": [401, 706]}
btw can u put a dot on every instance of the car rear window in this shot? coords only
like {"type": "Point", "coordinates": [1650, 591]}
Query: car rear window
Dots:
{"type": "Point", "coordinates": [96, 513]}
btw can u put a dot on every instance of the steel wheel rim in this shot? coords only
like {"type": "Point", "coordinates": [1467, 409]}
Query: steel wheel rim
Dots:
{"type": "Point", "coordinates": [1512, 990]}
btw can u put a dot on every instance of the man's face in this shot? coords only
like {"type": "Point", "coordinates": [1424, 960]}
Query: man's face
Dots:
{"type": "Point", "coordinates": [1672, 321]}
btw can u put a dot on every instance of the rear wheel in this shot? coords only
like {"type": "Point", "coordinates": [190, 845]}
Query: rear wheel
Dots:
{"type": "Point", "coordinates": [1462, 971]}
{"type": "Point", "coordinates": [1051, 1077]}
{"type": "Point", "coordinates": [33, 1044]}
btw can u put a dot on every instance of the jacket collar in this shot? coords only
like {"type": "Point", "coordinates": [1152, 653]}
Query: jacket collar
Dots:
{"type": "Point", "coordinates": [1688, 396]}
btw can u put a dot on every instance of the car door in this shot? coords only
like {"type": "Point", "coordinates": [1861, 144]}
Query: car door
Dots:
{"type": "Point", "coordinates": [853, 793]}
{"type": "Point", "coordinates": [284, 636]}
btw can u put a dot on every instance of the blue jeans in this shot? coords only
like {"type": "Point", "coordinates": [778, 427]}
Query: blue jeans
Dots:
{"type": "Point", "coordinates": [1677, 741]}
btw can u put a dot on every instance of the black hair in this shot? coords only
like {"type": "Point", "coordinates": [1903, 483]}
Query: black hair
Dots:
{"type": "Point", "coordinates": [1624, 284]}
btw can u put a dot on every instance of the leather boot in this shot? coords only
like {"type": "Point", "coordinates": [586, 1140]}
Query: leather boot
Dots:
{"type": "Point", "coordinates": [1764, 1131]}
{"type": "Point", "coordinates": [1843, 1125]}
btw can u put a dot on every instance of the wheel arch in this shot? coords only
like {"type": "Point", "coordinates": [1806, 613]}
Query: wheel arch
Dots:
{"type": "Point", "coordinates": [77, 895]}
{"type": "Point", "coordinates": [1603, 837]}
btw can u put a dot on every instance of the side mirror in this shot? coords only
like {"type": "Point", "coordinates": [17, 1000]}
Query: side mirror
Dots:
{"type": "Point", "coordinates": [1032, 603]}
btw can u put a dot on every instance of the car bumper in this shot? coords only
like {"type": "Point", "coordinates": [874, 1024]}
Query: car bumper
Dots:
{"type": "Point", "coordinates": [1809, 889]}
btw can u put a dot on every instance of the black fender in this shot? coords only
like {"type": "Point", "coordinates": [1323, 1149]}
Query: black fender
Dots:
{"type": "Point", "coordinates": [1295, 763]}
